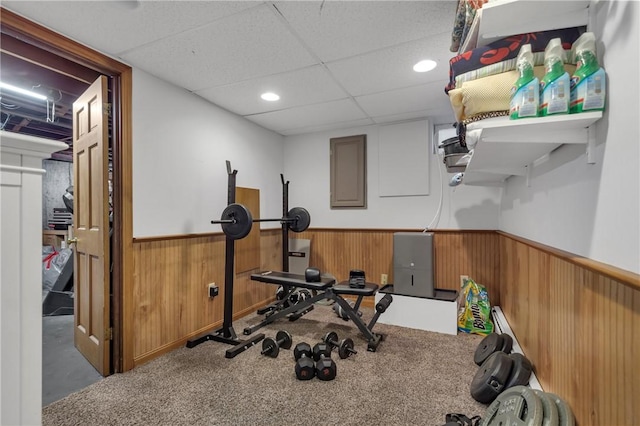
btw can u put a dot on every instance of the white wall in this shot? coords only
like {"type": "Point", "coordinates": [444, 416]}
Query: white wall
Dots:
{"type": "Point", "coordinates": [592, 210]}
{"type": "Point", "coordinates": [306, 165]}
{"type": "Point", "coordinates": [180, 145]}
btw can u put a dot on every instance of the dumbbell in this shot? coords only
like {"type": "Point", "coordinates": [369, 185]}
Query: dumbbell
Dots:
{"type": "Point", "coordinates": [272, 347]}
{"type": "Point", "coordinates": [305, 368]}
{"type": "Point", "coordinates": [326, 368]}
{"type": "Point", "coordinates": [345, 346]}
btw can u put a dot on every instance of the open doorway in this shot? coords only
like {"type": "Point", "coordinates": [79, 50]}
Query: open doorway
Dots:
{"type": "Point", "coordinates": [66, 68]}
{"type": "Point", "coordinates": [36, 98]}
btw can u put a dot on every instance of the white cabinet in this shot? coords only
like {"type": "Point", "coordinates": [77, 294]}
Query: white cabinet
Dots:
{"type": "Point", "coordinates": [21, 274]}
{"type": "Point", "coordinates": [509, 147]}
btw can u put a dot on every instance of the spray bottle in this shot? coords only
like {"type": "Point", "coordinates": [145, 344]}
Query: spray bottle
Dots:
{"type": "Point", "coordinates": [525, 93]}
{"type": "Point", "coordinates": [555, 85]}
{"type": "Point", "coordinates": [588, 84]}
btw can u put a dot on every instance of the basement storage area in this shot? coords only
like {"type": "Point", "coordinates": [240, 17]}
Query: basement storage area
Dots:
{"type": "Point", "coordinates": [491, 284]}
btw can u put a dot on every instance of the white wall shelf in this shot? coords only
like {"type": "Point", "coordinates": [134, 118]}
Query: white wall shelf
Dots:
{"type": "Point", "coordinates": [510, 147]}
{"type": "Point", "coordinates": [504, 18]}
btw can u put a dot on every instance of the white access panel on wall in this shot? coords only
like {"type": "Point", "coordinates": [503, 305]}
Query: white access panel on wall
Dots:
{"type": "Point", "coordinates": [403, 157]}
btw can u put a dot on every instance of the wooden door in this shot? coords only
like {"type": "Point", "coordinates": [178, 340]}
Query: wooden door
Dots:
{"type": "Point", "coordinates": [91, 226]}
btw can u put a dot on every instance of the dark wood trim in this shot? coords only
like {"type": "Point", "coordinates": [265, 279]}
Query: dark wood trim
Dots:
{"type": "Point", "coordinates": [622, 276]}
{"type": "Point", "coordinates": [122, 248]}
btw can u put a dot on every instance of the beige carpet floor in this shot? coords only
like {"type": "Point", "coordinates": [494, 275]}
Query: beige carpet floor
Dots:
{"type": "Point", "coordinates": [414, 378]}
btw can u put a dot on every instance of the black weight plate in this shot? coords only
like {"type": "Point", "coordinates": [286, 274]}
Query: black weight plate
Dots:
{"type": "Point", "coordinates": [270, 348]}
{"type": "Point", "coordinates": [301, 219]}
{"type": "Point", "coordinates": [491, 377]}
{"type": "Point", "coordinates": [520, 372]}
{"type": "Point", "coordinates": [285, 338]}
{"type": "Point", "coordinates": [516, 406]}
{"type": "Point", "coordinates": [507, 343]}
{"type": "Point", "coordinates": [345, 348]}
{"type": "Point", "coordinates": [490, 344]}
{"type": "Point", "coordinates": [242, 221]}
{"type": "Point", "coordinates": [565, 414]}
{"type": "Point", "coordinates": [549, 409]}
{"type": "Point", "coordinates": [331, 336]}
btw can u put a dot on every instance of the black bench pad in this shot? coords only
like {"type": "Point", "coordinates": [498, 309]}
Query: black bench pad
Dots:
{"type": "Point", "coordinates": [369, 289]}
{"type": "Point", "coordinates": [291, 279]}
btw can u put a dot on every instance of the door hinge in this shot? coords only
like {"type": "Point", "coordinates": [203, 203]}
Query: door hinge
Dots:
{"type": "Point", "coordinates": [107, 109]}
{"type": "Point", "coordinates": [108, 334]}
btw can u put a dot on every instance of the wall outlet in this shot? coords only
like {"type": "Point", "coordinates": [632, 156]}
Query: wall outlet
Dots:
{"type": "Point", "coordinates": [213, 290]}
{"type": "Point", "coordinates": [383, 279]}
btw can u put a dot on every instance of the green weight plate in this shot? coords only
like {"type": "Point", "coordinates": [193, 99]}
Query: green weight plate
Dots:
{"type": "Point", "coordinates": [490, 344]}
{"type": "Point", "coordinates": [301, 219]}
{"type": "Point", "coordinates": [518, 406]}
{"type": "Point", "coordinates": [564, 411]}
{"type": "Point", "coordinates": [491, 377]}
{"type": "Point", "coordinates": [241, 221]}
{"type": "Point", "coordinates": [549, 409]}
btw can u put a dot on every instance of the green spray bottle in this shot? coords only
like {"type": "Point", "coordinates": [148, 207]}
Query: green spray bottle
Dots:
{"type": "Point", "coordinates": [555, 85]}
{"type": "Point", "coordinates": [588, 83]}
{"type": "Point", "coordinates": [525, 93]}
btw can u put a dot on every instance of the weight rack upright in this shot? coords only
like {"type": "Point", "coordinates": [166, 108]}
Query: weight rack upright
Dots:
{"type": "Point", "coordinates": [226, 334]}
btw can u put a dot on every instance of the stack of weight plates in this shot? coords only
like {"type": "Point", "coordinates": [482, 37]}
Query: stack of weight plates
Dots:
{"type": "Point", "coordinates": [521, 405]}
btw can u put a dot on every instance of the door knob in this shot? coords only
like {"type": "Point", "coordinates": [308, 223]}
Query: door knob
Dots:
{"type": "Point", "coordinates": [72, 240]}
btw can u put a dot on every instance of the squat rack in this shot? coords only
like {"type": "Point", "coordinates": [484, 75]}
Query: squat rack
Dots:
{"type": "Point", "coordinates": [226, 334]}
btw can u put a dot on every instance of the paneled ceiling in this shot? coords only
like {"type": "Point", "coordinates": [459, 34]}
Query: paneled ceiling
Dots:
{"type": "Point", "coordinates": [335, 64]}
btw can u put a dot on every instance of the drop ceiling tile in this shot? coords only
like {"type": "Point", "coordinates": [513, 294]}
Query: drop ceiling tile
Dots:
{"type": "Point", "coordinates": [333, 126]}
{"type": "Point", "coordinates": [426, 96]}
{"type": "Point", "coordinates": [310, 115]}
{"type": "Point", "coordinates": [392, 68]}
{"type": "Point", "coordinates": [339, 29]}
{"type": "Point", "coordinates": [246, 45]}
{"type": "Point", "coordinates": [435, 116]}
{"type": "Point", "coordinates": [310, 85]}
{"type": "Point", "coordinates": [117, 26]}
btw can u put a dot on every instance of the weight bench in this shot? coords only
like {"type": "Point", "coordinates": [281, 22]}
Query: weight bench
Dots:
{"type": "Point", "coordinates": [326, 291]}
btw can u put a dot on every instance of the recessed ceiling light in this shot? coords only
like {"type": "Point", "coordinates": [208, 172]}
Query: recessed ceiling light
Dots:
{"type": "Point", "coordinates": [269, 96]}
{"type": "Point", "coordinates": [424, 66]}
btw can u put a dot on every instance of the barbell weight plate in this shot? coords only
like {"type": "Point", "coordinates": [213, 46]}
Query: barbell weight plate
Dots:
{"type": "Point", "coordinates": [490, 344]}
{"type": "Point", "coordinates": [270, 347]}
{"type": "Point", "coordinates": [284, 337]}
{"type": "Point", "coordinates": [331, 336]}
{"type": "Point", "coordinates": [491, 377]}
{"type": "Point", "coordinates": [565, 415]}
{"type": "Point", "coordinates": [344, 348]}
{"type": "Point", "coordinates": [507, 343]}
{"type": "Point", "coordinates": [520, 372]}
{"type": "Point", "coordinates": [242, 221]}
{"type": "Point", "coordinates": [300, 219]}
{"type": "Point", "coordinates": [516, 406]}
{"type": "Point", "coordinates": [549, 409]}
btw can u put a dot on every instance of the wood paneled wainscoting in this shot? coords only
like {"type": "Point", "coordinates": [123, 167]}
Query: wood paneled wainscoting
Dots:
{"type": "Point", "coordinates": [459, 252]}
{"type": "Point", "coordinates": [171, 275]}
{"type": "Point", "coordinates": [579, 322]}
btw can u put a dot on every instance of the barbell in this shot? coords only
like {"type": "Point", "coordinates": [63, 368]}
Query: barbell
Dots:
{"type": "Point", "coordinates": [236, 220]}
